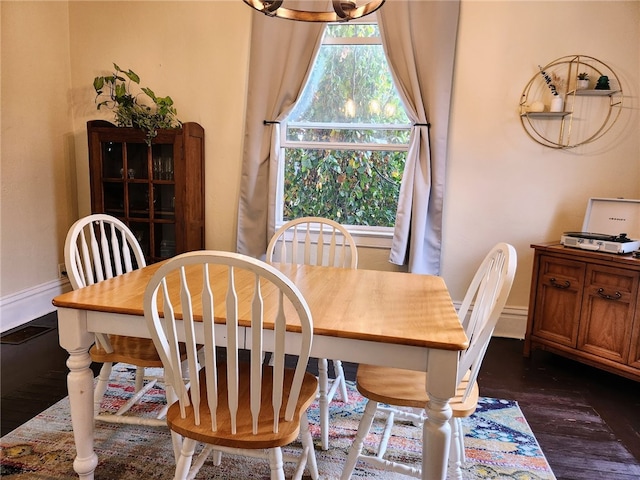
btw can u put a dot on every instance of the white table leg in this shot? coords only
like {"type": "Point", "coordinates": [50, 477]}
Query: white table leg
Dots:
{"type": "Point", "coordinates": [75, 338]}
{"type": "Point", "coordinates": [441, 386]}
{"type": "Point", "coordinates": [437, 437]}
{"type": "Point", "coordinates": [323, 402]}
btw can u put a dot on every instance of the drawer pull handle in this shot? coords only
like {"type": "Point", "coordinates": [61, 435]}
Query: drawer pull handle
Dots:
{"type": "Point", "coordinates": [554, 283]}
{"type": "Point", "coordinates": [617, 295]}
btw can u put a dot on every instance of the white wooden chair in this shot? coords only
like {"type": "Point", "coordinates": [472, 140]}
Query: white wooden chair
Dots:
{"type": "Point", "coordinates": [317, 241]}
{"type": "Point", "coordinates": [243, 408]}
{"type": "Point", "coordinates": [479, 313]}
{"type": "Point", "coordinates": [99, 247]}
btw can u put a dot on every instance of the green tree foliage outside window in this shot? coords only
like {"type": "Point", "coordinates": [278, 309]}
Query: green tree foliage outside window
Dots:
{"type": "Point", "coordinates": [345, 142]}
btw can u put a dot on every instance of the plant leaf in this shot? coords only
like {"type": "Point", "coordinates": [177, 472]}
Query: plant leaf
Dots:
{"type": "Point", "coordinates": [132, 76]}
{"type": "Point", "coordinates": [121, 90]}
{"type": "Point", "coordinates": [150, 93]}
{"type": "Point", "coordinates": [98, 83]}
{"type": "Point", "coordinates": [125, 105]}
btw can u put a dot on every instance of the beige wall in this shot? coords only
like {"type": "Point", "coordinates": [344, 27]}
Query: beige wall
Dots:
{"type": "Point", "coordinates": [188, 50]}
{"type": "Point", "coordinates": [37, 148]}
{"type": "Point", "coordinates": [501, 186]}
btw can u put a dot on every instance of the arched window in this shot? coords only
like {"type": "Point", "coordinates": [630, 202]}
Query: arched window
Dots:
{"type": "Point", "coordinates": [344, 144]}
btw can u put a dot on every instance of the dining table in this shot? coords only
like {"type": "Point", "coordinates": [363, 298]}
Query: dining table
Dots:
{"type": "Point", "coordinates": [385, 318]}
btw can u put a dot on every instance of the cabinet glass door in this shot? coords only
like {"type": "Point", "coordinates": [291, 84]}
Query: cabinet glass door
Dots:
{"type": "Point", "coordinates": [165, 239]}
{"type": "Point", "coordinates": [113, 198]}
{"type": "Point", "coordinates": [162, 155]}
{"type": "Point", "coordinates": [136, 183]}
{"type": "Point", "coordinates": [112, 160]}
{"type": "Point", "coordinates": [142, 234]}
{"type": "Point", "coordinates": [164, 202]}
{"type": "Point", "coordinates": [138, 200]}
{"type": "Point", "coordinates": [137, 164]}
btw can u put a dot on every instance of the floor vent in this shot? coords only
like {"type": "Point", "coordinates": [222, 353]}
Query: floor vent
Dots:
{"type": "Point", "coordinates": [18, 336]}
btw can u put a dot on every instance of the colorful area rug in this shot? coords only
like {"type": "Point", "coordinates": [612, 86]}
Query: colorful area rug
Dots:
{"type": "Point", "coordinates": [498, 444]}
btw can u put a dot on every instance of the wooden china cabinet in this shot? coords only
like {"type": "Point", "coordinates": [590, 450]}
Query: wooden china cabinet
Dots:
{"type": "Point", "coordinates": [157, 190]}
{"type": "Point", "coordinates": [585, 305]}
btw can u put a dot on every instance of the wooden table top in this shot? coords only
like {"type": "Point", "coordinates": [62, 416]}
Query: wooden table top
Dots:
{"type": "Point", "coordinates": [390, 307]}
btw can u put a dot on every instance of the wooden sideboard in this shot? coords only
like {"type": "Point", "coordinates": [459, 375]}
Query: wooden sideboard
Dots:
{"type": "Point", "coordinates": [585, 305]}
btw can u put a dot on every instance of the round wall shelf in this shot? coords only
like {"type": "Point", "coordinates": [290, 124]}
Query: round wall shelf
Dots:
{"type": "Point", "coordinates": [587, 112]}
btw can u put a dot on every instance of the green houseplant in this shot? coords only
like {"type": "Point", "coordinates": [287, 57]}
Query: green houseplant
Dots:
{"type": "Point", "coordinates": [582, 82]}
{"type": "Point", "coordinates": [113, 91]}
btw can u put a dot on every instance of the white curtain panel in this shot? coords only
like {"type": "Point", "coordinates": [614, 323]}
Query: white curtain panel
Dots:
{"type": "Point", "coordinates": [282, 54]}
{"type": "Point", "coordinates": [419, 38]}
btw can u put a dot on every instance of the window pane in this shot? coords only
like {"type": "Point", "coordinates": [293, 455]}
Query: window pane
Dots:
{"type": "Point", "coordinates": [350, 84]}
{"type": "Point", "coordinates": [350, 187]}
{"type": "Point", "coordinates": [345, 141]}
{"type": "Point", "coordinates": [350, 30]}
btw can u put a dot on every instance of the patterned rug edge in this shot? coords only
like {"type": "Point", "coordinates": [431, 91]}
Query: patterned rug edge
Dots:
{"type": "Point", "coordinates": [498, 444]}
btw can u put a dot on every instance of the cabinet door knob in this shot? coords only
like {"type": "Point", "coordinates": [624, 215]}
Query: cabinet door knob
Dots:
{"type": "Point", "coordinates": [554, 283]}
{"type": "Point", "coordinates": [616, 296]}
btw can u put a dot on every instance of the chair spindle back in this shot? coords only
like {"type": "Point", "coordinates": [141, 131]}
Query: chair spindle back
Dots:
{"type": "Point", "coordinates": [99, 247]}
{"type": "Point", "coordinates": [481, 308]}
{"type": "Point", "coordinates": [313, 241]}
{"type": "Point", "coordinates": [186, 294]}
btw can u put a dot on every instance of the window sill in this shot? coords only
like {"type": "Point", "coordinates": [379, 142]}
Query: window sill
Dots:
{"type": "Point", "coordinates": [367, 237]}
{"type": "Point", "coordinates": [372, 237]}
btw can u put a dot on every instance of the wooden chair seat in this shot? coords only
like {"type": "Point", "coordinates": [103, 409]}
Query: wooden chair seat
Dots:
{"type": "Point", "coordinates": [265, 437]}
{"type": "Point", "coordinates": [405, 388]}
{"type": "Point", "coordinates": [140, 352]}
{"type": "Point", "coordinates": [133, 350]}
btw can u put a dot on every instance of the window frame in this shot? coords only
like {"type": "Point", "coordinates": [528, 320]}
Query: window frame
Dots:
{"type": "Point", "coordinates": [364, 235]}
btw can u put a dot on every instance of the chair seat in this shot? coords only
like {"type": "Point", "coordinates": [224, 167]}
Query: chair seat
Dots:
{"type": "Point", "coordinates": [137, 351]}
{"type": "Point", "coordinates": [406, 388]}
{"type": "Point", "coordinates": [244, 438]}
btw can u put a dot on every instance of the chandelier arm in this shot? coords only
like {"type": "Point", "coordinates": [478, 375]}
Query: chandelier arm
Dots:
{"type": "Point", "coordinates": [271, 6]}
{"type": "Point", "coordinates": [344, 10]}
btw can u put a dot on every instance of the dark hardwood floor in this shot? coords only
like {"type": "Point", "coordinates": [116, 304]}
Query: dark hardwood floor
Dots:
{"type": "Point", "coordinates": [586, 421]}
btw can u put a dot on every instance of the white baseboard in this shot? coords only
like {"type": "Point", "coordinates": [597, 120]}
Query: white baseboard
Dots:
{"type": "Point", "coordinates": [19, 308]}
{"type": "Point", "coordinates": [511, 324]}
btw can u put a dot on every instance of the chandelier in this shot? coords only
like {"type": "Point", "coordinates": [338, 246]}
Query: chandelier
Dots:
{"type": "Point", "coordinates": [343, 10]}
